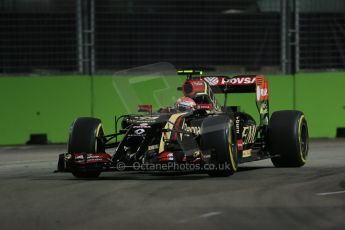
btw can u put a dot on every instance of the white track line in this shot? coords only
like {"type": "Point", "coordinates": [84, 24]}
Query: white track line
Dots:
{"type": "Point", "coordinates": [205, 215]}
{"type": "Point", "coordinates": [330, 193]}
{"type": "Point", "coordinates": [210, 214]}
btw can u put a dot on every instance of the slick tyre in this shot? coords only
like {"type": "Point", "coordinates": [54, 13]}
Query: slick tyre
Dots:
{"type": "Point", "coordinates": [86, 136]}
{"type": "Point", "coordinates": [288, 138]}
{"type": "Point", "coordinates": [218, 138]}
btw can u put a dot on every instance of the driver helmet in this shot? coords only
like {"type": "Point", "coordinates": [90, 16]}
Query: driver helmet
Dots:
{"type": "Point", "coordinates": [185, 104]}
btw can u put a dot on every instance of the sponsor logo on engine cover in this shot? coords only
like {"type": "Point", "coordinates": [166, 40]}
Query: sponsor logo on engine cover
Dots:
{"type": "Point", "coordinates": [264, 108]}
{"type": "Point", "coordinates": [152, 147]}
{"type": "Point", "coordinates": [143, 120]}
{"type": "Point", "coordinates": [237, 125]}
{"type": "Point", "coordinates": [212, 80]}
{"type": "Point", "coordinates": [261, 93]}
{"type": "Point", "coordinates": [141, 126]}
{"type": "Point", "coordinates": [248, 134]}
{"type": "Point", "coordinates": [191, 129]}
{"type": "Point", "coordinates": [197, 83]}
{"type": "Point", "coordinates": [247, 153]}
{"type": "Point", "coordinates": [239, 81]}
{"type": "Point", "coordinates": [139, 131]}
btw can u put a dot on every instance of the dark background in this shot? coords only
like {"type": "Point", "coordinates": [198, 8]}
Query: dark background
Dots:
{"type": "Point", "coordinates": [41, 36]}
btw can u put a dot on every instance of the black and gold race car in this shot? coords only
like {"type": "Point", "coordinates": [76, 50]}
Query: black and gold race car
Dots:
{"type": "Point", "coordinates": [207, 137]}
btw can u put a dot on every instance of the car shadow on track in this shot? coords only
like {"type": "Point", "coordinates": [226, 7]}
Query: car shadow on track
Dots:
{"type": "Point", "coordinates": [249, 168]}
{"type": "Point", "coordinates": [140, 175]}
{"type": "Point", "coordinates": [170, 175]}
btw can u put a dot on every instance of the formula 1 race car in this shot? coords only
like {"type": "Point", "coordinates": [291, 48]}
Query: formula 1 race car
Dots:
{"type": "Point", "coordinates": [196, 132]}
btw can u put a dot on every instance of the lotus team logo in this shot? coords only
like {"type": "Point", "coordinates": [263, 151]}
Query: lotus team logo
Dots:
{"type": "Point", "coordinates": [212, 80]}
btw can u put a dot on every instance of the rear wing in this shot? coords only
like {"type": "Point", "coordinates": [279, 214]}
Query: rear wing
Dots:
{"type": "Point", "coordinates": [196, 86]}
{"type": "Point", "coordinates": [244, 84]}
{"type": "Point", "coordinates": [240, 84]}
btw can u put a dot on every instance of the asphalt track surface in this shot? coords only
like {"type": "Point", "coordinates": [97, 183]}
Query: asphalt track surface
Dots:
{"type": "Point", "coordinates": [259, 196]}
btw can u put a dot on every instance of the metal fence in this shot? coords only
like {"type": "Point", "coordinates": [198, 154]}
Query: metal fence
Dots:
{"type": "Point", "coordinates": [199, 34]}
{"type": "Point", "coordinates": [103, 36]}
{"type": "Point", "coordinates": [36, 38]}
{"type": "Point", "coordinates": [322, 41]}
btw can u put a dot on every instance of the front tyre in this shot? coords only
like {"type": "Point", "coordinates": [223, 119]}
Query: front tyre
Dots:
{"type": "Point", "coordinates": [86, 136]}
{"type": "Point", "coordinates": [218, 138]}
{"type": "Point", "coordinates": [288, 138]}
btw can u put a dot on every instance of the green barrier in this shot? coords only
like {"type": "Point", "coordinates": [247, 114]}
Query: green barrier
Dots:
{"type": "Point", "coordinates": [321, 96]}
{"type": "Point", "coordinates": [280, 96]}
{"type": "Point", "coordinates": [41, 105]}
{"type": "Point", "coordinates": [32, 105]}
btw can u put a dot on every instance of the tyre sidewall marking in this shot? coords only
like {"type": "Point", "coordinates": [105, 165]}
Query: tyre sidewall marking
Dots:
{"type": "Point", "coordinates": [97, 133]}
{"type": "Point", "coordinates": [300, 138]}
{"type": "Point", "coordinates": [232, 161]}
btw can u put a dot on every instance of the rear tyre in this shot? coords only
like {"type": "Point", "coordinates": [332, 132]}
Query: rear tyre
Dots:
{"type": "Point", "coordinates": [218, 138]}
{"type": "Point", "coordinates": [86, 136]}
{"type": "Point", "coordinates": [288, 138]}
